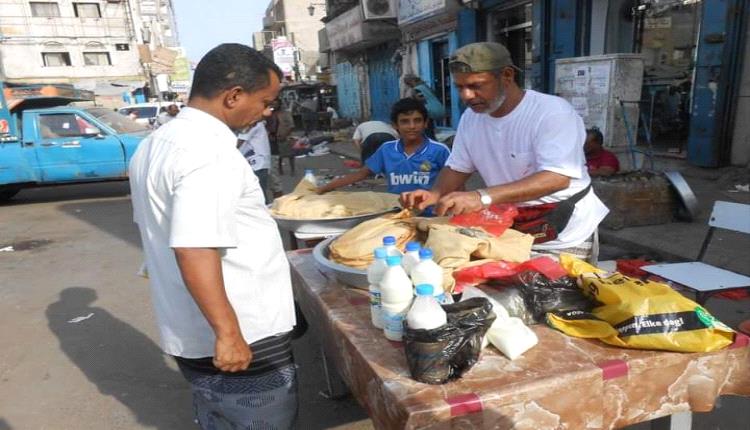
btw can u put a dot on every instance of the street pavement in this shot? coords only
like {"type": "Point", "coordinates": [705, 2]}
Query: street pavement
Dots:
{"type": "Point", "coordinates": [76, 254]}
{"type": "Point", "coordinates": [78, 333]}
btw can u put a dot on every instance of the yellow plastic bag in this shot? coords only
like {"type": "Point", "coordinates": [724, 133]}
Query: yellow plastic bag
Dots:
{"type": "Point", "coordinates": [639, 314]}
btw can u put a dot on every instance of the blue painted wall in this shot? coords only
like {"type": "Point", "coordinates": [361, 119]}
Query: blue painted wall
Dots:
{"type": "Point", "coordinates": [347, 91]}
{"type": "Point", "coordinates": [384, 81]}
{"type": "Point", "coordinates": [715, 71]}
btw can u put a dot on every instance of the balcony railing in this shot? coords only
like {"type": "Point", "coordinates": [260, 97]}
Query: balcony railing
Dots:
{"type": "Point", "coordinates": [42, 27]}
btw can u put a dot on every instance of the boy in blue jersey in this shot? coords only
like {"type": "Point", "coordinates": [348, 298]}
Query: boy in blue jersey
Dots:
{"type": "Point", "coordinates": [410, 163]}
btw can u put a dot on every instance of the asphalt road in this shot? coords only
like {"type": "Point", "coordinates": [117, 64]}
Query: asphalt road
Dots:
{"type": "Point", "coordinates": [76, 254]}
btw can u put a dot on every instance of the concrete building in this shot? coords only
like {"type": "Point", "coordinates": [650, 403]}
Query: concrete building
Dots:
{"type": "Point", "coordinates": [83, 43]}
{"type": "Point", "coordinates": [363, 47]}
{"type": "Point", "coordinates": [156, 20]}
{"type": "Point", "coordinates": [290, 21]}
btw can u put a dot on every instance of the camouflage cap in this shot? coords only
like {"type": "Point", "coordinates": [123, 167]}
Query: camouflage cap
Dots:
{"type": "Point", "coordinates": [480, 57]}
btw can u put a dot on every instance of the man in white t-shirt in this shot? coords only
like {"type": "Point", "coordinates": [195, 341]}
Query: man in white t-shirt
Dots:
{"type": "Point", "coordinates": [369, 135]}
{"type": "Point", "coordinates": [256, 148]}
{"type": "Point", "coordinates": [528, 149]}
{"type": "Point", "coordinates": [220, 281]}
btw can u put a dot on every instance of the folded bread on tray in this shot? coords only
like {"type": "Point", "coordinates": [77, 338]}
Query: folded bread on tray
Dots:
{"type": "Point", "coordinates": [355, 247]}
{"type": "Point", "coordinates": [304, 203]}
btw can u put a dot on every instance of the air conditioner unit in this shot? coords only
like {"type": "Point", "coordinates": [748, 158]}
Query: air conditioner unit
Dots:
{"type": "Point", "coordinates": [380, 9]}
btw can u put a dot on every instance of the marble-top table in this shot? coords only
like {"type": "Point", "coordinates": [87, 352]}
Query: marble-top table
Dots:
{"type": "Point", "coordinates": [562, 383]}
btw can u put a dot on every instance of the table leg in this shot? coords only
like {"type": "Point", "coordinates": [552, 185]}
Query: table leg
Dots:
{"type": "Point", "coordinates": [335, 386]}
{"type": "Point", "coordinates": [678, 421]}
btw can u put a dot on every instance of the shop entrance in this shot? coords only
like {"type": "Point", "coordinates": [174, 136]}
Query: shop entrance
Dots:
{"type": "Point", "coordinates": [666, 33]}
{"type": "Point", "coordinates": [511, 26]}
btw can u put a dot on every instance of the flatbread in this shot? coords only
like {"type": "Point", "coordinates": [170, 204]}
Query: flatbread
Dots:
{"type": "Point", "coordinates": [304, 203]}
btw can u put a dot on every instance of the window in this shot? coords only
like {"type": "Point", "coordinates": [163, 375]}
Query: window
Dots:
{"type": "Point", "coordinates": [44, 9]}
{"type": "Point", "coordinates": [122, 47]}
{"type": "Point", "coordinates": [59, 125]}
{"type": "Point", "coordinates": [96, 59]}
{"type": "Point", "coordinates": [118, 121]}
{"type": "Point", "coordinates": [56, 59]}
{"type": "Point", "coordinates": [87, 10]}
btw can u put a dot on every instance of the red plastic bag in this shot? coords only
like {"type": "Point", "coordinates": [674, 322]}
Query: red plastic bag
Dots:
{"type": "Point", "coordinates": [502, 269]}
{"type": "Point", "coordinates": [632, 268]}
{"type": "Point", "coordinates": [494, 220]}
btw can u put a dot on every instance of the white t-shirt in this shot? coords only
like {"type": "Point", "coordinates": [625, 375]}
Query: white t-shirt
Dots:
{"type": "Point", "coordinates": [332, 111]}
{"type": "Point", "coordinates": [191, 188]}
{"type": "Point", "coordinates": [542, 133]}
{"type": "Point", "coordinates": [257, 147]}
{"type": "Point", "coordinates": [370, 127]}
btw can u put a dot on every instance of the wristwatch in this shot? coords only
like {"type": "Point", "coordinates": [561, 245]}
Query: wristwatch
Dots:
{"type": "Point", "coordinates": [484, 197]}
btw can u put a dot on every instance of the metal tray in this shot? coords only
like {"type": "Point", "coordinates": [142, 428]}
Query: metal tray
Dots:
{"type": "Point", "coordinates": [345, 274]}
{"type": "Point", "coordinates": [325, 226]}
{"type": "Point", "coordinates": [689, 202]}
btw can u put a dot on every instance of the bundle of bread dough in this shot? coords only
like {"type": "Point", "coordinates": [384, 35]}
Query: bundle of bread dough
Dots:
{"type": "Point", "coordinates": [304, 203]}
{"type": "Point", "coordinates": [355, 247]}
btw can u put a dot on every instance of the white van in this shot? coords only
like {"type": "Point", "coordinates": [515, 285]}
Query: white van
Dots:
{"type": "Point", "coordinates": [146, 113]}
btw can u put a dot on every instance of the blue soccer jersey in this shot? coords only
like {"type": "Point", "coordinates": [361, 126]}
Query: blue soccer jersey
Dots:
{"type": "Point", "coordinates": [417, 171]}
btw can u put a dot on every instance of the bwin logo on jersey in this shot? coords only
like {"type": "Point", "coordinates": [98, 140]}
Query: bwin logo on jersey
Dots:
{"type": "Point", "coordinates": [415, 178]}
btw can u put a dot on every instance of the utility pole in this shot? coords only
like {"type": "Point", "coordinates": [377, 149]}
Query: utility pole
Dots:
{"type": "Point", "coordinates": [297, 74]}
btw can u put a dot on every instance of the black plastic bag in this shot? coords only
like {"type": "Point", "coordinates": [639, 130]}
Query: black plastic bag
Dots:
{"type": "Point", "coordinates": [543, 295]}
{"type": "Point", "coordinates": [445, 353]}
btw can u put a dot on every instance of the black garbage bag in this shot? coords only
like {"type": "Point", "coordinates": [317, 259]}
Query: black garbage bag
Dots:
{"type": "Point", "coordinates": [445, 353]}
{"type": "Point", "coordinates": [542, 295]}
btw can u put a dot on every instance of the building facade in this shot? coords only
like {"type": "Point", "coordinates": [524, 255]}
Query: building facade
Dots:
{"type": "Point", "coordinates": [290, 36]}
{"type": "Point", "coordinates": [364, 56]}
{"type": "Point", "coordinates": [108, 46]}
{"type": "Point", "coordinates": [66, 41]}
{"type": "Point", "coordinates": [695, 86]}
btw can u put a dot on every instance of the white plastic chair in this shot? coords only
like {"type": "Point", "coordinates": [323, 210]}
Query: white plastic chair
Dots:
{"type": "Point", "coordinates": [705, 279]}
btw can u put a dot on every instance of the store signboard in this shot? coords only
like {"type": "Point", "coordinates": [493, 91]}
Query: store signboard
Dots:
{"type": "Point", "coordinates": [411, 11]}
{"type": "Point", "coordinates": [283, 55]}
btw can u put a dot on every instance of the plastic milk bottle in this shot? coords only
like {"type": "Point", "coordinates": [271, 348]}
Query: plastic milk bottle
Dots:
{"type": "Point", "coordinates": [396, 295]}
{"type": "Point", "coordinates": [374, 275]}
{"type": "Point", "coordinates": [310, 177]}
{"type": "Point", "coordinates": [428, 272]}
{"type": "Point", "coordinates": [425, 313]}
{"type": "Point", "coordinates": [389, 242]}
{"type": "Point", "coordinates": [411, 257]}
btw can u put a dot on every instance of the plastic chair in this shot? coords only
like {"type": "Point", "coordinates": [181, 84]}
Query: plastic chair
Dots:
{"type": "Point", "coordinates": [705, 279]}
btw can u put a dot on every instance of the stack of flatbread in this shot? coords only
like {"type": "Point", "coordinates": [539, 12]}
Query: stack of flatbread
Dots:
{"type": "Point", "coordinates": [355, 247]}
{"type": "Point", "coordinates": [304, 203]}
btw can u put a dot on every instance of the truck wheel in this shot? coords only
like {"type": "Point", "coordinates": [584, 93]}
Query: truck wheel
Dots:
{"type": "Point", "coordinates": [6, 195]}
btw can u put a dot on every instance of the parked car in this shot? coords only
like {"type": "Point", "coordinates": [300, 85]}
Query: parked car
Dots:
{"type": "Point", "coordinates": [145, 113]}
{"type": "Point", "coordinates": [46, 141]}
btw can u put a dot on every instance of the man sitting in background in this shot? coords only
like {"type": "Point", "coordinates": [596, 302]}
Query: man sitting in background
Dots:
{"type": "Point", "coordinates": [599, 161]}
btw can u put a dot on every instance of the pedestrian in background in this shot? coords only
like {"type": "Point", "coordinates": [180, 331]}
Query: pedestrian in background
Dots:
{"type": "Point", "coordinates": [220, 280]}
{"type": "Point", "coordinates": [279, 126]}
{"type": "Point", "coordinates": [369, 135]}
{"type": "Point", "coordinates": [169, 114]}
{"type": "Point", "coordinates": [254, 145]}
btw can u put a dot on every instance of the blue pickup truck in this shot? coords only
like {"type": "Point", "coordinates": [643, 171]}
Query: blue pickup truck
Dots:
{"type": "Point", "coordinates": [46, 141]}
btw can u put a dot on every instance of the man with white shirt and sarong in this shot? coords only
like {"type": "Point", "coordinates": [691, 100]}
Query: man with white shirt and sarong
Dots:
{"type": "Point", "coordinates": [528, 149]}
{"type": "Point", "coordinates": [220, 281]}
